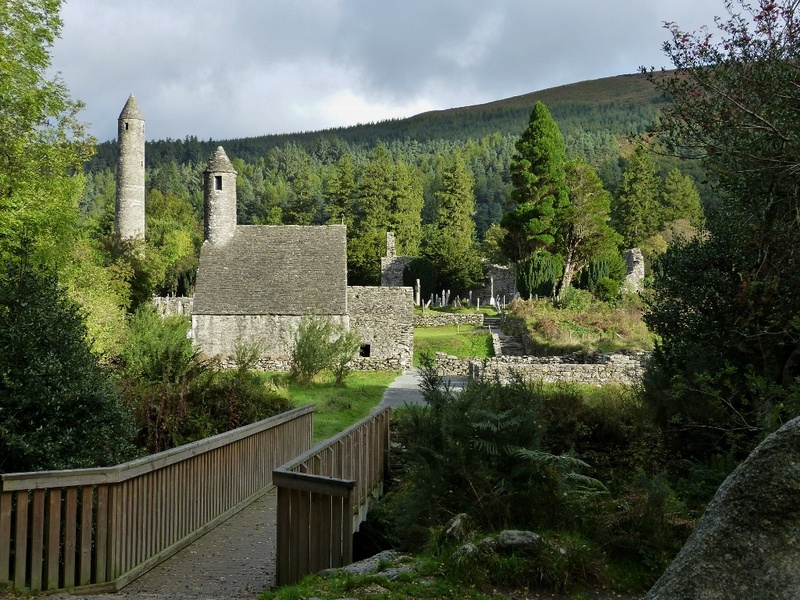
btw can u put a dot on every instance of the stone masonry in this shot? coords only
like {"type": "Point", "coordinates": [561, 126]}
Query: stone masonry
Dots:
{"type": "Point", "coordinates": [129, 209]}
{"type": "Point", "coordinates": [383, 317]}
{"type": "Point", "coordinates": [392, 266]}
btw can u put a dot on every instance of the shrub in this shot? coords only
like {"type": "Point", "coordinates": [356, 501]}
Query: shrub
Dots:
{"type": "Point", "coordinates": [176, 395]}
{"type": "Point", "coordinates": [539, 273]}
{"type": "Point", "coordinates": [609, 266]}
{"type": "Point", "coordinates": [479, 451]}
{"type": "Point", "coordinates": [58, 407]}
{"type": "Point", "coordinates": [321, 344]}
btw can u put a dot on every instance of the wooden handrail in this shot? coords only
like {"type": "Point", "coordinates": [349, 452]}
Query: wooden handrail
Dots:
{"type": "Point", "coordinates": [324, 495]}
{"type": "Point", "coordinates": [98, 529]}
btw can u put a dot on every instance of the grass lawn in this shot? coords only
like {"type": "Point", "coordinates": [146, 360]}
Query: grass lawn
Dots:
{"type": "Point", "coordinates": [338, 407]}
{"type": "Point", "coordinates": [457, 340]}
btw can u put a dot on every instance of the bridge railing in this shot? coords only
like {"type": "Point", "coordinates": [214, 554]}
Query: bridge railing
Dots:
{"type": "Point", "coordinates": [324, 495]}
{"type": "Point", "coordinates": [98, 529]}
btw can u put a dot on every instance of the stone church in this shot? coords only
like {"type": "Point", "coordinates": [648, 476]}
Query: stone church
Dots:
{"type": "Point", "coordinates": [255, 282]}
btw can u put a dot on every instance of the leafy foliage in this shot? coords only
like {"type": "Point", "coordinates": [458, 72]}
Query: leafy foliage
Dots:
{"type": "Point", "coordinates": [43, 142]}
{"type": "Point", "coordinates": [177, 396]}
{"type": "Point", "coordinates": [539, 274]}
{"type": "Point", "coordinates": [58, 407]}
{"type": "Point", "coordinates": [320, 344]}
{"type": "Point", "coordinates": [725, 304]}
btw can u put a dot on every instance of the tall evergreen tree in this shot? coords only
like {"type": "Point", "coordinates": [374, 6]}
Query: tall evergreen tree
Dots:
{"type": "Point", "coordinates": [406, 209]}
{"type": "Point", "coordinates": [341, 190]}
{"type": "Point", "coordinates": [680, 199]}
{"type": "Point", "coordinates": [635, 211]}
{"type": "Point", "coordinates": [451, 247]}
{"type": "Point", "coordinates": [540, 190]}
{"type": "Point", "coordinates": [367, 242]}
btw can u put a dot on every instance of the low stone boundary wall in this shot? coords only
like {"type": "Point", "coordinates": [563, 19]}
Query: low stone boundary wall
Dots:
{"type": "Point", "coordinates": [600, 369]}
{"type": "Point", "coordinates": [436, 319]}
{"type": "Point", "coordinates": [452, 366]}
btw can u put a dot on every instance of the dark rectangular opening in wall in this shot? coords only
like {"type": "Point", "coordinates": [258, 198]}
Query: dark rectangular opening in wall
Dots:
{"type": "Point", "coordinates": [217, 182]}
{"type": "Point", "coordinates": [126, 127]}
{"type": "Point", "coordinates": [364, 351]}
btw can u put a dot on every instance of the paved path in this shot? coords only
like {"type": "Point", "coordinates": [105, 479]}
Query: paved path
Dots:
{"type": "Point", "coordinates": [237, 558]}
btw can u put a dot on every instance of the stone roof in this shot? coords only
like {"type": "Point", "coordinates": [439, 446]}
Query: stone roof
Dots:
{"type": "Point", "coordinates": [219, 163]}
{"type": "Point", "coordinates": [274, 270]}
{"type": "Point", "coordinates": [131, 110]}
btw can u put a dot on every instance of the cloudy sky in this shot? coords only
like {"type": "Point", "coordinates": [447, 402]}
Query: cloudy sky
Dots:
{"type": "Point", "coordinates": [242, 68]}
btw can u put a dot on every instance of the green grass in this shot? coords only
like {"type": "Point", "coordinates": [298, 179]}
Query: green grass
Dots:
{"type": "Point", "coordinates": [337, 407]}
{"type": "Point", "coordinates": [457, 340]}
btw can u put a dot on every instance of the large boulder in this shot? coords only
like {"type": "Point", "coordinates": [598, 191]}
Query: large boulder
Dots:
{"type": "Point", "coordinates": [747, 544]}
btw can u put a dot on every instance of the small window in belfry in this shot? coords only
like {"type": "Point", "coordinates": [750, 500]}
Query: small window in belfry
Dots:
{"type": "Point", "coordinates": [217, 182]}
{"type": "Point", "coordinates": [126, 127]}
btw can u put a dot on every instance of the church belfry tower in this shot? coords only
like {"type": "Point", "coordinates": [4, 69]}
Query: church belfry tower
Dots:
{"type": "Point", "coordinates": [129, 210]}
{"type": "Point", "coordinates": [219, 194]}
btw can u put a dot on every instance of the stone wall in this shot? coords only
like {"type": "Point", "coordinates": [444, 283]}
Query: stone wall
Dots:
{"type": "Point", "coordinates": [383, 316]}
{"type": "Point", "coordinates": [392, 270]}
{"type": "Point", "coordinates": [221, 333]}
{"type": "Point", "coordinates": [598, 370]}
{"type": "Point", "coordinates": [437, 319]}
{"type": "Point", "coordinates": [168, 306]}
{"type": "Point", "coordinates": [634, 280]}
{"type": "Point", "coordinates": [505, 283]}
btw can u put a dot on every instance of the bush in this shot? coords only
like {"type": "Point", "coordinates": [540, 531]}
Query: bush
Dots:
{"type": "Point", "coordinates": [538, 274]}
{"type": "Point", "coordinates": [479, 452]}
{"type": "Point", "coordinates": [611, 267]}
{"type": "Point", "coordinates": [320, 344]}
{"type": "Point", "coordinates": [176, 395]}
{"type": "Point", "coordinates": [58, 407]}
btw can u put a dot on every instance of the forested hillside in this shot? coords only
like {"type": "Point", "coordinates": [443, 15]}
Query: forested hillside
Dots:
{"type": "Point", "coordinates": [320, 177]}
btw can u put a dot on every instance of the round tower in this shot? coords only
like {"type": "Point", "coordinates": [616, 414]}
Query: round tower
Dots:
{"type": "Point", "coordinates": [219, 187]}
{"type": "Point", "coordinates": [129, 213]}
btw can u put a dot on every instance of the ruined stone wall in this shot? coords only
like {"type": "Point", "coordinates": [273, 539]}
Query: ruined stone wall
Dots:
{"type": "Point", "coordinates": [392, 270]}
{"type": "Point", "coordinates": [437, 319]}
{"type": "Point", "coordinates": [505, 283]}
{"type": "Point", "coordinates": [601, 369]}
{"type": "Point", "coordinates": [383, 317]}
{"type": "Point", "coordinates": [218, 335]}
{"type": "Point", "coordinates": [168, 306]}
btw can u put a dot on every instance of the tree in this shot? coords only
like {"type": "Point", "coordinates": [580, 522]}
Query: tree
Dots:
{"type": "Point", "coordinates": [54, 395]}
{"type": "Point", "coordinates": [584, 231]}
{"type": "Point", "coordinates": [636, 209]}
{"type": "Point", "coordinates": [42, 141]}
{"type": "Point", "coordinates": [366, 242]}
{"type": "Point", "coordinates": [451, 245]}
{"type": "Point", "coordinates": [540, 190]}
{"type": "Point", "coordinates": [406, 210]}
{"type": "Point", "coordinates": [341, 189]}
{"type": "Point", "coordinates": [725, 304]}
{"type": "Point", "coordinates": [680, 199]}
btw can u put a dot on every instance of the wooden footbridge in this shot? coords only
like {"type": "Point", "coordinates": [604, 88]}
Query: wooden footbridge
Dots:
{"type": "Point", "coordinates": [96, 530]}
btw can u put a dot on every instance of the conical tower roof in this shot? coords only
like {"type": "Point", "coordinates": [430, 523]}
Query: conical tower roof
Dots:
{"type": "Point", "coordinates": [131, 110]}
{"type": "Point", "coordinates": [220, 163]}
